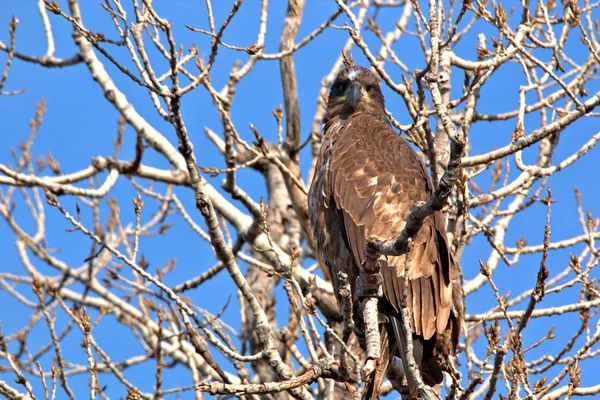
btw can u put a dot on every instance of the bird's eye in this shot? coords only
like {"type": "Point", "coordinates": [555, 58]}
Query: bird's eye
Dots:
{"type": "Point", "coordinates": [371, 89]}
{"type": "Point", "coordinates": [342, 86]}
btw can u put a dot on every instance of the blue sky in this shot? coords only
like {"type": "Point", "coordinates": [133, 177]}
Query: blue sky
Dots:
{"type": "Point", "coordinates": [80, 124]}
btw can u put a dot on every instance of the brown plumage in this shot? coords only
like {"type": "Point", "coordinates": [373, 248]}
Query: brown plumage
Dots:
{"type": "Point", "coordinates": [366, 180]}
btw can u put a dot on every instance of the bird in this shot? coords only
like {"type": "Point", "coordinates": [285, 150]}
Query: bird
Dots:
{"type": "Point", "coordinates": [366, 180]}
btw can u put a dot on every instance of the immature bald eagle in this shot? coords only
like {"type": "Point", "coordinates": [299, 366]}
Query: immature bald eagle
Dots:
{"type": "Point", "coordinates": [366, 180]}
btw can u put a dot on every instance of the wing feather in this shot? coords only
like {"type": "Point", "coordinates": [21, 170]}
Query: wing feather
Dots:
{"type": "Point", "coordinates": [427, 307]}
{"type": "Point", "coordinates": [416, 302]}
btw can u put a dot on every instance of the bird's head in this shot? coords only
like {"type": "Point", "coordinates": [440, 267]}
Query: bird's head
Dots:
{"type": "Point", "coordinates": [356, 89]}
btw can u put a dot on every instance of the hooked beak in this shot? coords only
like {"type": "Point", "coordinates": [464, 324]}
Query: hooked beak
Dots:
{"type": "Point", "coordinates": [354, 94]}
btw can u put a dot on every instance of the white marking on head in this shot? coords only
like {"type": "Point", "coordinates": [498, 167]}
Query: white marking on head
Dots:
{"type": "Point", "coordinates": [353, 73]}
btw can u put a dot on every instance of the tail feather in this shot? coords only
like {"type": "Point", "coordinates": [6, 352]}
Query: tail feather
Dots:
{"type": "Point", "coordinates": [425, 359]}
{"type": "Point", "coordinates": [431, 371]}
{"type": "Point", "coordinates": [395, 344]}
{"type": "Point", "coordinates": [400, 335]}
